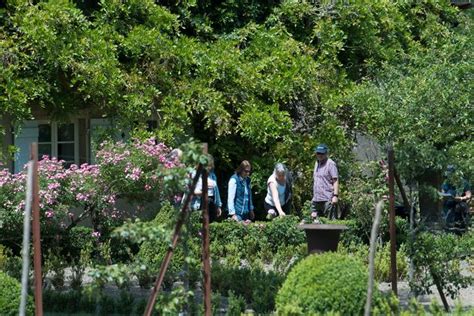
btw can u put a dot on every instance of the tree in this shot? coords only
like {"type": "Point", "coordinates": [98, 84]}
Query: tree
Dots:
{"type": "Point", "coordinates": [424, 106]}
{"type": "Point", "coordinates": [267, 80]}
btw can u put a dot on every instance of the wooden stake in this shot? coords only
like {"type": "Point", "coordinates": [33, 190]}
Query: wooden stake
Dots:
{"type": "Point", "coordinates": [36, 234]}
{"type": "Point", "coordinates": [205, 242]}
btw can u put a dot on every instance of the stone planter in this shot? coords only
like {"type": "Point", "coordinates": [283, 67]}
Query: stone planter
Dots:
{"type": "Point", "coordinates": [322, 237]}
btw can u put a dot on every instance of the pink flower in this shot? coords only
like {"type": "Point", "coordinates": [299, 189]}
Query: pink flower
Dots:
{"type": "Point", "coordinates": [169, 164]}
{"type": "Point", "coordinates": [82, 197]}
{"type": "Point", "coordinates": [135, 175]}
{"type": "Point", "coordinates": [147, 187]}
{"type": "Point", "coordinates": [111, 199]}
{"type": "Point", "coordinates": [95, 234]}
{"type": "Point", "coordinates": [314, 214]}
{"type": "Point", "coordinates": [53, 185]}
{"type": "Point", "coordinates": [49, 214]}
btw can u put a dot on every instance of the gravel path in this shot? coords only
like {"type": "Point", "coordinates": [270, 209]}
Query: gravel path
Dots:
{"type": "Point", "coordinates": [466, 297]}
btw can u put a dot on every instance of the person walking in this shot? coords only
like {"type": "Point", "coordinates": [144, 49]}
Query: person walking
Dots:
{"type": "Point", "coordinates": [325, 183]}
{"type": "Point", "coordinates": [239, 197]}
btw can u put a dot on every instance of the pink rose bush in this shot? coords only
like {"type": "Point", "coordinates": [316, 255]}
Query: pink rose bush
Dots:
{"type": "Point", "coordinates": [139, 171]}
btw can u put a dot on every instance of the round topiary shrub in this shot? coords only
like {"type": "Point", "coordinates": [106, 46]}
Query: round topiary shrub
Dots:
{"type": "Point", "coordinates": [10, 292]}
{"type": "Point", "coordinates": [324, 283]}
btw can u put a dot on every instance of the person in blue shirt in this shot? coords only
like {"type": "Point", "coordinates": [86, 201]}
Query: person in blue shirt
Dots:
{"type": "Point", "coordinates": [239, 198]}
{"type": "Point", "coordinates": [457, 194]}
{"type": "Point", "coordinates": [213, 195]}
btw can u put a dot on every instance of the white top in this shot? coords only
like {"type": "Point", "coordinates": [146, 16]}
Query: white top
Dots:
{"type": "Point", "coordinates": [280, 189]}
{"type": "Point", "coordinates": [211, 184]}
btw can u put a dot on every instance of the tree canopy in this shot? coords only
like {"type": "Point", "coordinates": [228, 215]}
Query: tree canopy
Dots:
{"type": "Point", "coordinates": [267, 80]}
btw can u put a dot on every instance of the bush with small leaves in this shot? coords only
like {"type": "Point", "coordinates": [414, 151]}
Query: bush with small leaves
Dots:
{"type": "Point", "coordinates": [437, 260]}
{"type": "Point", "coordinates": [10, 290]}
{"type": "Point", "coordinates": [324, 283]}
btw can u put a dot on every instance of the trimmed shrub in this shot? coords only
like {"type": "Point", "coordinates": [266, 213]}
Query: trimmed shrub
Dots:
{"type": "Point", "coordinates": [256, 286]}
{"type": "Point", "coordinates": [324, 283]}
{"type": "Point", "coordinates": [91, 303]}
{"type": "Point", "coordinates": [283, 232]}
{"type": "Point", "coordinates": [10, 292]}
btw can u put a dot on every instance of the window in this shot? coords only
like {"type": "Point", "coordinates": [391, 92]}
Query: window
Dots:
{"type": "Point", "coordinates": [58, 140]}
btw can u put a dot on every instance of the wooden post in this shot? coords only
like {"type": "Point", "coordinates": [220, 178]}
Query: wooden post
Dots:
{"type": "Point", "coordinates": [440, 291]}
{"type": "Point", "coordinates": [174, 242]}
{"type": "Point", "coordinates": [406, 204]}
{"type": "Point", "coordinates": [393, 236]}
{"type": "Point", "coordinates": [36, 234]}
{"type": "Point", "coordinates": [205, 241]}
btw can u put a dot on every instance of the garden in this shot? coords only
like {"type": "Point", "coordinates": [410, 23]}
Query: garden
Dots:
{"type": "Point", "coordinates": [263, 81]}
{"type": "Point", "coordinates": [109, 265]}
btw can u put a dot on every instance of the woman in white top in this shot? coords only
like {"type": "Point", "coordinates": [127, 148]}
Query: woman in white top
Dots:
{"type": "Point", "coordinates": [278, 189]}
{"type": "Point", "coordinates": [213, 195]}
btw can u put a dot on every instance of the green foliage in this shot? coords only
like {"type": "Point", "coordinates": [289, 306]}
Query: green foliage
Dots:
{"type": "Point", "coordinates": [324, 283]}
{"type": "Point", "coordinates": [382, 259]}
{"type": "Point", "coordinates": [383, 263]}
{"type": "Point", "coordinates": [82, 302]}
{"type": "Point", "coordinates": [422, 104]}
{"type": "Point", "coordinates": [54, 268]}
{"type": "Point", "coordinates": [284, 232]}
{"type": "Point", "coordinates": [256, 286]}
{"type": "Point", "coordinates": [279, 242]}
{"type": "Point", "coordinates": [154, 240]}
{"type": "Point", "coordinates": [78, 239]}
{"type": "Point", "coordinates": [266, 80]}
{"type": "Point", "coordinates": [236, 304]}
{"type": "Point", "coordinates": [12, 265]}
{"type": "Point", "coordinates": [437, 258]}
{"type": "Point", "coordinates": [386, 305]}
{"type": "Point", "coordinates": [10, 293]}
{"type": "Point", "coordinates": [173, 302]}
{"type": "Point", "coordinates": [3, 257]}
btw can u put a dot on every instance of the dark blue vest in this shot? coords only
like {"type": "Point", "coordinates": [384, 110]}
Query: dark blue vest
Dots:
{"type": "Point", "coordinates": [240, 206]}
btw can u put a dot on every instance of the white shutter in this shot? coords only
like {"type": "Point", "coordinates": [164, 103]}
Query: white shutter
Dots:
{"type": "Point", "coordinates": [27, 135]}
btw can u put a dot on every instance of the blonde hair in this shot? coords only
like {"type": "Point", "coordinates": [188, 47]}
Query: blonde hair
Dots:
{"type": "Point", "coordinates": [244, 164]}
